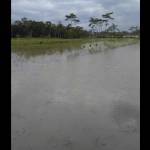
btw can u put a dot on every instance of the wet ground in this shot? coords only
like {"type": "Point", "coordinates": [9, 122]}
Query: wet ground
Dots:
{"type": "Point", "coordinates": [77, 101]}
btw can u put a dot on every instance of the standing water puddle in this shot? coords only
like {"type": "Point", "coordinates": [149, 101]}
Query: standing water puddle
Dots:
{"type": "Point", "coordinates": [77, 101]}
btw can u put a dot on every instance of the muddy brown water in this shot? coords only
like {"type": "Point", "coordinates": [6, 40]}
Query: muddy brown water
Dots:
{"type": "Point", "coordinates": [77, 101]}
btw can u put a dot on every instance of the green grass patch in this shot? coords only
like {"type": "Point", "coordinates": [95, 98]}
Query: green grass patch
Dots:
{"type": "Point", "coordinates": [37, 46]}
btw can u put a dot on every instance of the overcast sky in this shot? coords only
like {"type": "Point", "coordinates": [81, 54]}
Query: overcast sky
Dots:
{"type": "Point", "coordinates": [126, 12]}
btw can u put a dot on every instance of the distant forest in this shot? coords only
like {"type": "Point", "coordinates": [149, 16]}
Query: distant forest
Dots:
{"type": "Point", "coordinates": [99, 27]}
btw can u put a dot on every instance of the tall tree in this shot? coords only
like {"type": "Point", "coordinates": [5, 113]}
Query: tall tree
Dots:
{"type": "Point", "coordinates": [72, 19]}
{"type": "Point", "coordinates": [107, 18]}
{"type": "Point", "coordinates": [48, 25]}
{"type": "Point", "coordinates": [94, 23]}
{"type": "Point", "coordinates": [113, 28]}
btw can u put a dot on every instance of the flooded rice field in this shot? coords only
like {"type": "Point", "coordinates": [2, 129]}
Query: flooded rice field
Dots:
{"type": "Point", "coordinates": [77, 100]}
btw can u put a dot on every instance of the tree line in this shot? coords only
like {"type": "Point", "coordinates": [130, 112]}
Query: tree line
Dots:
{"type": "Point", "coordinates": [99, 27]}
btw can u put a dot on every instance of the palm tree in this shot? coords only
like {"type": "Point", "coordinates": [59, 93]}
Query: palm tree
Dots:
{"type": "Point", "coordinates": [113, 28]}
{"type": "Point", "coordinates": [72, 19]}
{"type": "Point", "coordinates": [95, 23]}
{"type": "Point", "coordinates": [92, 23]}
{"type": "Point", "coordinates": [106, 23]}
{"type": "Point", "coordinates": [100, 24]}
{"type": "Point", "coordinates": [107, 17]}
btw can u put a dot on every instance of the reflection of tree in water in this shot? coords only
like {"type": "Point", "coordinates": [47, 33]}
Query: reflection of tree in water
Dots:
{"type": "Point", "coordinates": [127, 116]}
{"type": "Point", "coordinates": [73, 55]}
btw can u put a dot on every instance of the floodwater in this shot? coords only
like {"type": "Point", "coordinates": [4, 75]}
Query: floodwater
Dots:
{"type": "Point", "coordinates": [77, 101]}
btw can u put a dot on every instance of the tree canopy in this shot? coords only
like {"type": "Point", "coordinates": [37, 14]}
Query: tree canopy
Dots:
{"type": "Point", "coordinates": [99, 27]}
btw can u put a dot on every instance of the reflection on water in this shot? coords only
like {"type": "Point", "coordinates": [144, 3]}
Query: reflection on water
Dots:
{"type": "Point", "coordinates": [86, 47]}
{"type": "Point", "coordinates": [77, 101]}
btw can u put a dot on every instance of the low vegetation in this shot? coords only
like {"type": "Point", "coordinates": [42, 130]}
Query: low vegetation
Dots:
{"type": "Point", "coordinates": [36, 46]}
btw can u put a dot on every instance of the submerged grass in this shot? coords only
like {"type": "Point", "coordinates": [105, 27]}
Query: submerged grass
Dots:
{"type": "Point", "coordinates": [37, 46]}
